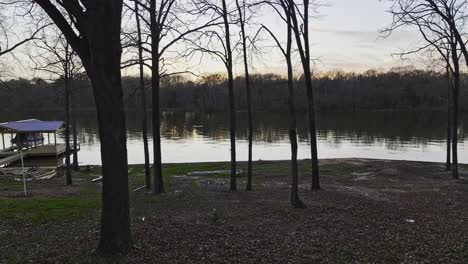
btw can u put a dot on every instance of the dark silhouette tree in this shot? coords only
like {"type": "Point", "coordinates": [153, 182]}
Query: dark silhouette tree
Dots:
{"type": "Point", "coordinates": [144, 116]}
{"type": "Point", "coordinates": [300, 27]}
{"type": "Point", "coordinates": [166, 29]}
{"type": "Point", "coordinates": [75, 165]}
{"type": "Point", "coordinates": [92, 28]}
{"type": "Point", "coordinates": [284, 13]}
{"type": "Point", "coordinates": [242, 12]}
{"type": "Point", "coordinates": [438, 22]}
{"type": "Point", "coordinates": [7, 44]}
{"type": "Point", "coordinates": [448, 160]}
{"type": "Point", "coordinates": [53, 55]}
{"type": "Point", "coordinates": [223, 51]}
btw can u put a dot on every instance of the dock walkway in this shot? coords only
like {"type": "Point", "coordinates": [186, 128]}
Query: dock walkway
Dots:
{"type": "Point", "coordinates": [11, 159]}
{"type": "Point", "coordinates": [8, 157]}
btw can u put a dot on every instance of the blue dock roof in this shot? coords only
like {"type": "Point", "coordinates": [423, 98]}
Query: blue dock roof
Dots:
{"type": "Point", "coordinates": [30, 126]}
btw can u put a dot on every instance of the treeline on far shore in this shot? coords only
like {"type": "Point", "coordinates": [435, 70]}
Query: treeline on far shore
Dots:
{"type": "Point", "coordinates": [397, 89]}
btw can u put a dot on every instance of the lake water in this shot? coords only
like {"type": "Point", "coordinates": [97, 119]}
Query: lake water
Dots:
{"type": "Point", "coordinates": [197, 137]}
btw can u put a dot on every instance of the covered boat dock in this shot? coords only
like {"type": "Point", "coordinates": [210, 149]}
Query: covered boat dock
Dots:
{"type": "Point", "coordinates": [29, 137]}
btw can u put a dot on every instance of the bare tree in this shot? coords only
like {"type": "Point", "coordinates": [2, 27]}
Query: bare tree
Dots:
{"type": "Point", "coordinates": [13, 36]}
{"type": "Point", "coordinates": [448, 160]}
{"type": "Point", "coordinates": [452, 12]}
{"type": "Point", "coordinates": [5, 34]}
{"type": "Point", "coordinates": [144, 119]}
{"type": "Point", "coordinates": [284, 13]}
{"type": "Point", "coordinates": [440, 31]}
{"type": "Point", "coordinates": [170, 22]}
{"type": "Point", "coordinates": [242, 12]}
{"type": "Point", "coordinates": [53, 55]}
{"type": "Point", "coordinates": [300, 27]}
{"type": "Point", "coordinates": [92, 28]}
{"type": "Point", "coordinates": [217, 43]}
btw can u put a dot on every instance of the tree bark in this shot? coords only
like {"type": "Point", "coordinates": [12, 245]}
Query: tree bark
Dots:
{"type": "Point", "coordinates": [448, 164]}
{"type": "Point", "coordinates": [295, 200]}
{"type": "Point", "coordinates": [455, 136]}
{"type": "Point", "coordinates": [304, 52]}
{"type": "Point", "coordinates": [115, 222]}
{"type": "Point", "coordinates": [155, 83]}
{"type": "Point", "coordinates": [68, 175]}
{"type": "Point", "coordinates": [455, 99]}
{"type": "Point", "coordinates": [248, 93]}
{"type": "Point", "coordinates": [232, 108]}
{"type": "Point", "coordinates": [104, 71]}
{"type": "Point", "coordinates": [76, 166]}
{"type": "Point", "coordinates": [98, 46]}
{"type": "Point", "coordinates": [144, 117]}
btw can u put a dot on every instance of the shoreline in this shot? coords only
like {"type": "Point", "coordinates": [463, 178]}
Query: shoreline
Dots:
{"type": "Point", "coordinates": [284, 160]}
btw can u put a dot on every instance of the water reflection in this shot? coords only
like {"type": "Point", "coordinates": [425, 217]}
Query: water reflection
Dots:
{"type": "Point", "coordinates": [205, 137]}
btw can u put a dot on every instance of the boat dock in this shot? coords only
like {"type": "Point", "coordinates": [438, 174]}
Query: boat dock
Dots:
{"type": "Point", "coordinates": [28, 136]}
{"type": "Point", "coordinates": [9, 157]}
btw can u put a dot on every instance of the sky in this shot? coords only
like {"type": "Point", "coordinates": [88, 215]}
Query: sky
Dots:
{"type": "Point", "coordinates": [344, 36]}
{"type": "Point", "coordinates": [347, 36]}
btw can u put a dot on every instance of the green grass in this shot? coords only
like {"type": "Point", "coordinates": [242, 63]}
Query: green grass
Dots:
{"type": "Point", "coordinates": [344, 256]}
{"type": "Point", "coordinates": [43, 210]}
{"type": "Point", "coordinates": [336, 169]}
{"type": "Point", "coordinates": [8, 184]}
{"type": "Point", "coordinates": [184, 168]}
{"type": "Point", "coordinates": [136, 172]}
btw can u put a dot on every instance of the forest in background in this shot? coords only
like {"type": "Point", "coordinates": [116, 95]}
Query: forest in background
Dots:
{"type": "Point", "coordinates": [397, 89]}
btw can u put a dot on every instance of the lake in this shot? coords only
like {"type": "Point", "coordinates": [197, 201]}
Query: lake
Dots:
{"type": "Point", "coordinates": [198, 137]}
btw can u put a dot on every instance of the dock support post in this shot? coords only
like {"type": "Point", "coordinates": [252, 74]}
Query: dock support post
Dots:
{"type": "Point", "coordinates": [56, 152]}
{"type": "Point", "coordinates": [24, 177]}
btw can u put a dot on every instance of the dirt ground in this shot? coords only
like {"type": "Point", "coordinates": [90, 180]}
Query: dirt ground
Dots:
{"type": "Point", "coordinates": [369, 211]}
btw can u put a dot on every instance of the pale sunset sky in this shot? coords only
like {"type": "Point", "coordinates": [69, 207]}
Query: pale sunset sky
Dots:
{"type": "Point", "coordinates": [344, 36]}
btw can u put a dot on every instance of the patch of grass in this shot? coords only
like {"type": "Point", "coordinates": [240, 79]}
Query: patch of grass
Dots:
{"type": "Point", "coordinates": [91, 172]}
{"type": "Point", "coordinates": [43, 210]}
{"type": "Point", "coordinates": [392, 259]}
{"type": "Point", "coordinates": [184, 168]}
{"type": "Point", "coordinates": [136, 172]}
{"type": "Point", "coordinates": [465, 253]}
{"type": "Point", "coordinates": [336, 169]}
{"type": "Point", "coordinates": [344, 256]}
{"type": "Point", "coordinates": [90, 191]}
{"type": "Point", "coordinates": [8, 184]}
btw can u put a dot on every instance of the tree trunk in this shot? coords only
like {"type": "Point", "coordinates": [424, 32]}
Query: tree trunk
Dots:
{"type": "Point", "coordinates": [76, 166]}
{"type": "Point", "coordinates": [295, 201]}
{"type": "Point", "coordinates": [311, 103]}
{"type": "Point", "coordinates": [144, 117]}
{"type": "Point", "coordinates": [455, 95]}
{"type": "Point", "coordinates": [312, 132]}
{"type": "Point", "coordinates": [100, 51]}
{"type": "Point", "coordinates": [249, 95]}
{"type": "Point", "coordinates": [68, 175]}
{"type": "Point", "coordinates": [448, 165]}
{"type": "Point", "coordinates": [104, 71]}
{"type": "Point", "coordinates": [455, 131]}
{"type": "Point", "coordinates": [232, 109]}
{"type": "Point", "coordinates": [155, 83]}
{"type": "Point", "coordinates": [304, 52]}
